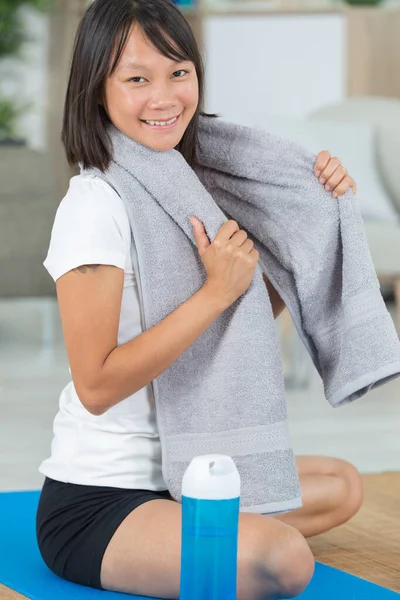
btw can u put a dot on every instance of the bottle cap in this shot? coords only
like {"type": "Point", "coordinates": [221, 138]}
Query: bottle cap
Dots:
{"type": "Point", "coordinates": [211, 477]}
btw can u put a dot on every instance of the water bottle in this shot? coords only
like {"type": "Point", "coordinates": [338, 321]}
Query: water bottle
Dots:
{"type": "Point", "coordinates": [210, 519]}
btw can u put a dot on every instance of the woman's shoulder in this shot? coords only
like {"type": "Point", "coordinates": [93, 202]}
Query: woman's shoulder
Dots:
{"type": "Point", "coordinates": [88, 193]}
{"type": "Point", "coordinates": [91, 226]}
{"type": "Point", "coordinates": [90, 188]}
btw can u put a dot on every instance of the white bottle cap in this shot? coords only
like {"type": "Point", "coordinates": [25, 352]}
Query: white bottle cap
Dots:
{"type": "Point", "coordinates": [211, 477]}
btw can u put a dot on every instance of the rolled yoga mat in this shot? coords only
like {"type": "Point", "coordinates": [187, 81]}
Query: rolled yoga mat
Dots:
{"type": "Point", "coordinates": [23, 570]}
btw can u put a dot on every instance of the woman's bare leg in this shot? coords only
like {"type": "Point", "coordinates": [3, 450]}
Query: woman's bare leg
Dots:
{"type": "Point", "coordinates": [332, 493]}
{"type": "Point", "coordinates": [143, 557]}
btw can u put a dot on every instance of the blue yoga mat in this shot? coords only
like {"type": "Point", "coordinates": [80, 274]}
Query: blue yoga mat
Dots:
{"type": "Point", "coordinates": [22, 568]}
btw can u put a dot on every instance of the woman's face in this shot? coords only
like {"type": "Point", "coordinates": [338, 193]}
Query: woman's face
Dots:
{"type": "Point", "coordinates": [147, 86]}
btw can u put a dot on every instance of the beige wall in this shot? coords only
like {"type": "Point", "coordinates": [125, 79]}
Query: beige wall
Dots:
{"type": "Point", "coordinates": [64, 21]}
{"type": "Point", "coordinates": [374, 52]}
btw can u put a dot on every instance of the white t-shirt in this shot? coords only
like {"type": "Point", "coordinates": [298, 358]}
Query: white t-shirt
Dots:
{"type": "Point", "coordinates": [120, 448]}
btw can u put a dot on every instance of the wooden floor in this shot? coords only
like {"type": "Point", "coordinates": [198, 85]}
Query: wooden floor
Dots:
{"type": "Point", "coordinates": [367, 546]}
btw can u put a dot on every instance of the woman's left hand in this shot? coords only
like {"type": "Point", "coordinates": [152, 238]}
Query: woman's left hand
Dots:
{"type": "Point", "coordinates": [333, 175]}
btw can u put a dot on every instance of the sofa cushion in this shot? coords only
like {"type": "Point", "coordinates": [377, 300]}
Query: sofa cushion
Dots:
{"type": "Point", "coordinates": [388, 149]}
{"type": "Point", "coordinates": [384, 113]}
{"type": "Point", "coordinates": [384, 244]}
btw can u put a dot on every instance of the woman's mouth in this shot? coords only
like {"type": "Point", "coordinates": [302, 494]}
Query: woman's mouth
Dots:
{"type": "Point", "coordinates": [165, 124]}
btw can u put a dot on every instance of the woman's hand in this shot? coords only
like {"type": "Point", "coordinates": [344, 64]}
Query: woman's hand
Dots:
{"type": "Point", "coordinates": [229, 260]}
{"type": "Point", "coordinates": [333, 175]}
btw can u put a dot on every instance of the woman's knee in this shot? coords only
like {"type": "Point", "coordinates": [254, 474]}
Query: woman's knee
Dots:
{"type": "Point", "coordinates": [356, 487]}
{"type": "Point", "coordinates": [276, 565]}
{"type": "Point", "coordinates": [294, 565]}
{"type": "Point", "coordinates": [350, 491]}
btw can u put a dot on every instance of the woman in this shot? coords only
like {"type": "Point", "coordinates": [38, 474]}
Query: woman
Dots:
{"type": "Point", "coordinates": [105, 518]}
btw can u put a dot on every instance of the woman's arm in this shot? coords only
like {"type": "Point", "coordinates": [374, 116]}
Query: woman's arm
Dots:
{"type": "Point", "coordinates": [277, 303]}
{"type": "Point", "coordinates": [105, 373]}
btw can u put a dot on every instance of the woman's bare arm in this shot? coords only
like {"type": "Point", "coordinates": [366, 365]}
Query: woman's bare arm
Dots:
{"type": "Point", "coordinates": [277, 303]}
{"type": "Point", "coordinates": [104, 373]}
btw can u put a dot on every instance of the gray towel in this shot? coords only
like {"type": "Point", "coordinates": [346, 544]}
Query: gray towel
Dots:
{"type": "Point", "coordinates": [313, 249]}
{"type": "Point", "coordinates": [225, 394]}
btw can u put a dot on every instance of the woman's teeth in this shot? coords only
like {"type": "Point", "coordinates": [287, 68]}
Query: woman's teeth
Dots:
{"type": "Point", "coordinates": [162, 123]}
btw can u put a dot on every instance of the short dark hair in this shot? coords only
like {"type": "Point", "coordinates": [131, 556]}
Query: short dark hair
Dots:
{"type": "Point", "coordinates": [100, 40]}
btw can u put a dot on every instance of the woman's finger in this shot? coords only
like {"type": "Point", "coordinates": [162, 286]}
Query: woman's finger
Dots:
{"type": "Point", "coordinates": [200, 235]}
{"type": "Point", "coordinates": [336, 177]}
{"type": "Point", "coordinates": [344, 185]}
{"type": "Point", "coordinates": [331, 167]}
{"type": "Point", "coordinates": [321, 162]}
{"type": "Point", "coordinates": [247, 246]}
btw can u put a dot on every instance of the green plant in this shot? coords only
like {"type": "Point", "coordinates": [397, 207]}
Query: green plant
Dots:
{"type": "Point", "coordinates": [363, 2]}
{"type": "Point", "coordinates": [12, 34]}
{"type": "Point", "coordinates": [8, 118]}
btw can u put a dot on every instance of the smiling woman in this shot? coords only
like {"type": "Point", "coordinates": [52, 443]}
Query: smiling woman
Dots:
{"type": "Point", "coordinates": [154, 101]}
{"type": "Point", "coordinates": [147, 71]}
{"type": "Point", "coordinates": [137, 72]}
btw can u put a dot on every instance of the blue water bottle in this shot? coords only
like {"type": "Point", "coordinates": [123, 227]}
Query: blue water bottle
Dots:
{"type": "Point", "coordinates": [210, 519]}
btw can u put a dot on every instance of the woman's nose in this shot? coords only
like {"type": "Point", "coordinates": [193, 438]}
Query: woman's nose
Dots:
{"type": "Point", "coordinates": [162, 96]}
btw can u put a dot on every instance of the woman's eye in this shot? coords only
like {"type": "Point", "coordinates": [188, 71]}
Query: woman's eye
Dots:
{"type": "Point", "coordinates": [133, 78]}
{"type": "Point", "coordinates": [181, 71]}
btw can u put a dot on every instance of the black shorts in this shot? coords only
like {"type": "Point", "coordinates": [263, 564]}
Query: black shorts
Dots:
{"type": "Point", "coordinates": [75, 523]}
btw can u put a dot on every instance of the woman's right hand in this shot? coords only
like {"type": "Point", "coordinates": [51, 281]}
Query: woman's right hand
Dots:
{"type": "Point", "coordinates": [229, 260]}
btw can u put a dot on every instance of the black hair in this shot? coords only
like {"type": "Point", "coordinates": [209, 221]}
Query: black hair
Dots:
{"type": "Point", "coordinates": [100, 40]}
